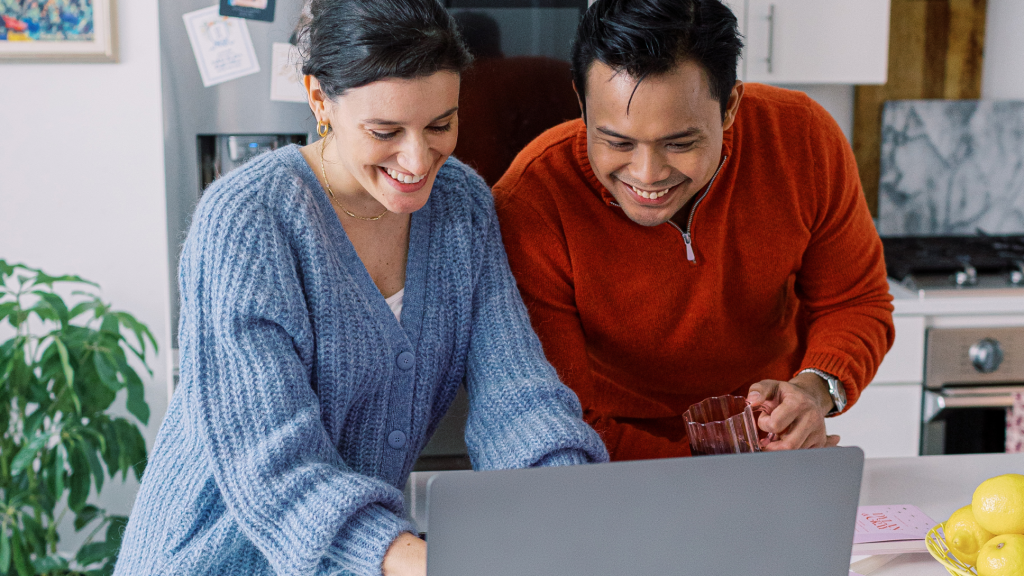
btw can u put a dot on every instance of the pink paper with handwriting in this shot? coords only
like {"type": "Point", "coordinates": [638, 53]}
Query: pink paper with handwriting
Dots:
{"type": "Point", "coordinates": [889, 523]}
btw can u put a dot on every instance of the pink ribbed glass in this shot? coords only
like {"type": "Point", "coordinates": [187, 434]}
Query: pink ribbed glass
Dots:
{"type": "Point", "coordinates": [721, 425]}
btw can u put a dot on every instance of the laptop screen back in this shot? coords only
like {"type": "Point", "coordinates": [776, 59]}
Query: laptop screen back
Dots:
{"type": "Point", "coordinates": [750, 514]}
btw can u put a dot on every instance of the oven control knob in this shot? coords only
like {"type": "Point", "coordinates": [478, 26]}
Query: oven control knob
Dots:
{"type": "Point", "coordinates": [986, 355]}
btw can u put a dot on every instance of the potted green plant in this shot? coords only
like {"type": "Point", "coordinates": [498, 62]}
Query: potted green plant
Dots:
{"type": "Point", "coordinates": [59, 375]}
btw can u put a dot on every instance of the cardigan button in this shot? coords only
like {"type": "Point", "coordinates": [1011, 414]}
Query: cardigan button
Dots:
{"type": "Point", "coordinates": [405, 360]}
{"type": "Point", "coordinates": [397, 439]}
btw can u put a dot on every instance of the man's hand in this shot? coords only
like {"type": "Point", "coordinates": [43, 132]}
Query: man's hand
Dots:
{"type": "Point", "coordinates": [794, 411]}
{"type": "Point", "coordinates": [407, 556]}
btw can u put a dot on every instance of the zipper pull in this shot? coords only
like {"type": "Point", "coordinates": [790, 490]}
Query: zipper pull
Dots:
{"type": "Point", "coordinates": [689, 248]}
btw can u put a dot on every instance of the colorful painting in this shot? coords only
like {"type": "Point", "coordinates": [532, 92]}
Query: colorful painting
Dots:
{"type": "Point", "coordinates": [56, 30]}
{"type": "Point", "coordinates": [46, 20]}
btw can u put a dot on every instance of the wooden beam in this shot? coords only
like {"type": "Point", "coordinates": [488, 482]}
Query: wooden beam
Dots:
{"type": "Point", "coordinates": [935, 51]}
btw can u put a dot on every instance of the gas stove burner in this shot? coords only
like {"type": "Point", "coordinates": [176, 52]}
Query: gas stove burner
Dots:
{"type": "Point", "coordinates": [956, 262]}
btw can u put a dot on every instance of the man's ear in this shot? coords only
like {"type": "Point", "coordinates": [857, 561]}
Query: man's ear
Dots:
{"type": "Point", "coordinates": [732, 106]}
{"type": "Point", "coordinates": [583, 109]}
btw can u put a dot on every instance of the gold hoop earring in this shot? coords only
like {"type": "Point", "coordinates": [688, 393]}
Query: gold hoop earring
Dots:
{"type": "Point", "coordinates": [322, 128]}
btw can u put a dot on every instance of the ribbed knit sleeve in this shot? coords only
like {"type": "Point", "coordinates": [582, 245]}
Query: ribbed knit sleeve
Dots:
{"type": "Point", "coordinates": [842, 279]}
{"type": "Point", "coordinates": [520, 412]}
{"type": "Point", "coordinates": [247, 332]}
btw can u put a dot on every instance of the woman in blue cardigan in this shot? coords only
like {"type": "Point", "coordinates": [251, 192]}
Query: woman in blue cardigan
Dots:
{"type": "Point", "coordinates": [334, 297]}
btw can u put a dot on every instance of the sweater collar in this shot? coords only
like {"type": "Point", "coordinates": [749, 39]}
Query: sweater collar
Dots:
{"type": "Point", "coordinates": [583, 160]}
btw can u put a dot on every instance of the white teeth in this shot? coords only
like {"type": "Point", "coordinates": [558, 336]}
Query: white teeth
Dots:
{"type": "Point", "coordinates": [404, 178]}
{"type": "Point", "coordinates": [649, 195]}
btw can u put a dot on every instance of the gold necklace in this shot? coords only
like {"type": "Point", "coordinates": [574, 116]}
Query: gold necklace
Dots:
{"type": "Point", "coordinates": [323, 144]}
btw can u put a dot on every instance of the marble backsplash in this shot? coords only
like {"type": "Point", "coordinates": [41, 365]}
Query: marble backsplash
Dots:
{"type": "Point", "coordinates": [952, 168]}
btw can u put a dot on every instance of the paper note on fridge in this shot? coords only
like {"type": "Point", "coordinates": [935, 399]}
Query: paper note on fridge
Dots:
{"type": "Point", "coordinates": [222, 46]}
{"type": "Point", "coordinates": [889, 523]}
{"type": "Point", "coordinates": [286, 76]}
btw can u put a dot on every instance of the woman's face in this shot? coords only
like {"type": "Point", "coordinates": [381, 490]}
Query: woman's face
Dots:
{"type": "Point", "coordinates": [389, 138]}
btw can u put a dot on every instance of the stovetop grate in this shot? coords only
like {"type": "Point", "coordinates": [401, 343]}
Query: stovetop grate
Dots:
{"type": "Point", "coordinates": [929, 255]}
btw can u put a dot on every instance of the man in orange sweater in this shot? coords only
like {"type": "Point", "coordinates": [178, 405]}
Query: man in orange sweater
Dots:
{"type": "Point", "coordinates": [693, 236]}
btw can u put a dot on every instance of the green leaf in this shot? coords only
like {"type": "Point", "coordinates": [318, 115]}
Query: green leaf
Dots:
{"type": "Point", "coordinates": [48, 564]}
{"type": "Point", "coordinates": [87, 514]}
{"type": "Point", "coordinates": [18, 556]}
{"type": "Point", "coordinates": [106, 368]}
{"type": "Point", "coordinates": [5, 550]}
{"type": "Point", "coordinates": [6, 309]}
{"type": "Point", "coordinates": [112, 451]}
{"type": "Point", "coordinates": [35, 535]}
{"type": "Point", "coordinates": [44, 278]}
{"type": "Point", "coordinates": [94, 462]}
{"type": "Point", "coordinates": [83, 307]}
{"type": "Point", "coordinates": [94, 396]}
{"type": "Point", "coordinates": [65, 362]}
{"type": "Point", "coordinates": [136, 448]}
{"type": "Point", "coordinates": [44, 311]}
{"type": "Point", "coordinates": [136, 403]}
{"type": "Point", "coordinates": [58, 470]}
{"type": "Point", "coordinates": [116, 528]}
{"type": "Point", "coordinates": [141, 331]}
{"type": "Point", "coordinates": [33, 422]}
{"type": "Point", "coordinates": [28, 453]}
{"type": "Point", "coordinates": [110, 325]}
{"type": "Point", "coordinates": [95, 552]}
{"type": "Point", "coordinates": [56, 303]}
{"type": "Point", "coordinates": [79, 480]}
{"type": "Point", "coordinates": [19, 375]}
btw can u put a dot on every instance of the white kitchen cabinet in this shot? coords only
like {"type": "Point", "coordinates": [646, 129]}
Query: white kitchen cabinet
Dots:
{"type": "Point", "coordinates": [814, 41]}
{"type": "Point", "coordinates": [884, 423]}
{"type": "Point", "coordinates": [905, 361]}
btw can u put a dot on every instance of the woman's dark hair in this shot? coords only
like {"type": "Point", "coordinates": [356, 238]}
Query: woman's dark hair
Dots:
{"type": "Point", "coordinates": [649, 37]}
{"type": "Point", "coordinates": [351, 43]}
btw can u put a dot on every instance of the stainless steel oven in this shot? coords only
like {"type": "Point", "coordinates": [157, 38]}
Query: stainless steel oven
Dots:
{"type": "Point", "coordinates": [971, 377]}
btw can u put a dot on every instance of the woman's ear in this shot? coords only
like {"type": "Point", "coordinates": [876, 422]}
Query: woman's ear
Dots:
{"type": "Point", "coordinates": [316, 97]}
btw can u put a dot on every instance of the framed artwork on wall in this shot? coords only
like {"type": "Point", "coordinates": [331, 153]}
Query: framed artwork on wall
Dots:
{"type": "Point", "coordinates": [58, 31]}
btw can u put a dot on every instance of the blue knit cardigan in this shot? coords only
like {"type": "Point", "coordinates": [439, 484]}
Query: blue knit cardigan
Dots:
{"type": "Point", "coordinates": [303, 402]}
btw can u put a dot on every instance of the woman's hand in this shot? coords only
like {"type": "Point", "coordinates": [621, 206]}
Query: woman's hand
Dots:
{"type": "Point", "coordinates": [407, 556]}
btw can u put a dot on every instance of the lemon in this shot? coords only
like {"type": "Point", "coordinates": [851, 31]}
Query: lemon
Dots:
{"type": "Point", "coordinates": [1002, 556]}
{"type": "Point", "coordinates": [964, 536]}
{"type": "Point", "coordinates": [998, 504]}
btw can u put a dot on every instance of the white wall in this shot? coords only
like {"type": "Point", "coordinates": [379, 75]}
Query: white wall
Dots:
{"type": "Point", "coordinates": [1002, 74]}
{"type": "Point", "coordinates": [82, 184]}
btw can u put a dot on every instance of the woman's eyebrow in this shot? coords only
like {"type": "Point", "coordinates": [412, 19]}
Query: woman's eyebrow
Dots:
{"type": "Point", "coordinates": [381, 122]}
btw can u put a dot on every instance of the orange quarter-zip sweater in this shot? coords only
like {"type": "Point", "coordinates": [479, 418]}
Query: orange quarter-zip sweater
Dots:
{"type": "Point", "coordinates": [785, 272]}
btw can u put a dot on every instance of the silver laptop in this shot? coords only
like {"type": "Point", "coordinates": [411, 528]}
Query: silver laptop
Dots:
{"type": "Point", "coordinates": [786, 513]}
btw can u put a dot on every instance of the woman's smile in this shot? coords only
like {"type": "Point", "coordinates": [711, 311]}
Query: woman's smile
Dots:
{"type": "Point", "coordinates": [402, 181]}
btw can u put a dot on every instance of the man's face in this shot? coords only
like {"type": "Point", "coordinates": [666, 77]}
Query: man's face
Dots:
{"type": "Point", "coordinates": [656, 155]}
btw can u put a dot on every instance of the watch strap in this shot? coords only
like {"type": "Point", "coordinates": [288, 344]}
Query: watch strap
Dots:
{"type": "Point", "coordinates": [835, 390]}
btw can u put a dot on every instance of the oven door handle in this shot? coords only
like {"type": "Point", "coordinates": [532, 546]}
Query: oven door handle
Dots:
{"type": "Point", "coordinates": [981, 397]}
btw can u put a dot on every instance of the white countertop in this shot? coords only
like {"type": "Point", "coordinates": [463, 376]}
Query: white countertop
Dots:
{"type": "Point", "coordinates": [938, 485]}
{"type": "Point", "coordinates": [956, 302]}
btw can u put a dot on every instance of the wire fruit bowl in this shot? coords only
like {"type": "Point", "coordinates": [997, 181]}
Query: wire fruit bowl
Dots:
{"type": "Point", "coordinates": [936, 543]}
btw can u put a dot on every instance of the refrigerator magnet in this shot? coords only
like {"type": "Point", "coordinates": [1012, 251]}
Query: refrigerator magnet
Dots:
{"type": "Point", "coordinates": [249, 9]}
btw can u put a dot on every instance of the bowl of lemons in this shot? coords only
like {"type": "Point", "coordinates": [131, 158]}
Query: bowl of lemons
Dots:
{"type": "Point", "coordinates": [986, 537]}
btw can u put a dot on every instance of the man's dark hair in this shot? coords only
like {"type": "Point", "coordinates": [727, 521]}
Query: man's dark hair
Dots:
{"type": "Point", "coordinates": [350, 43]}
{"type": "Point", "coordinates": [649, 37]}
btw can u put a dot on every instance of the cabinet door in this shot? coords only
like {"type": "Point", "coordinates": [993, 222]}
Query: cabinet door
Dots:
{"type": "Point", "coordinates": [817, 41]}
{"type": "Point", "coordinates": [885, 422]}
